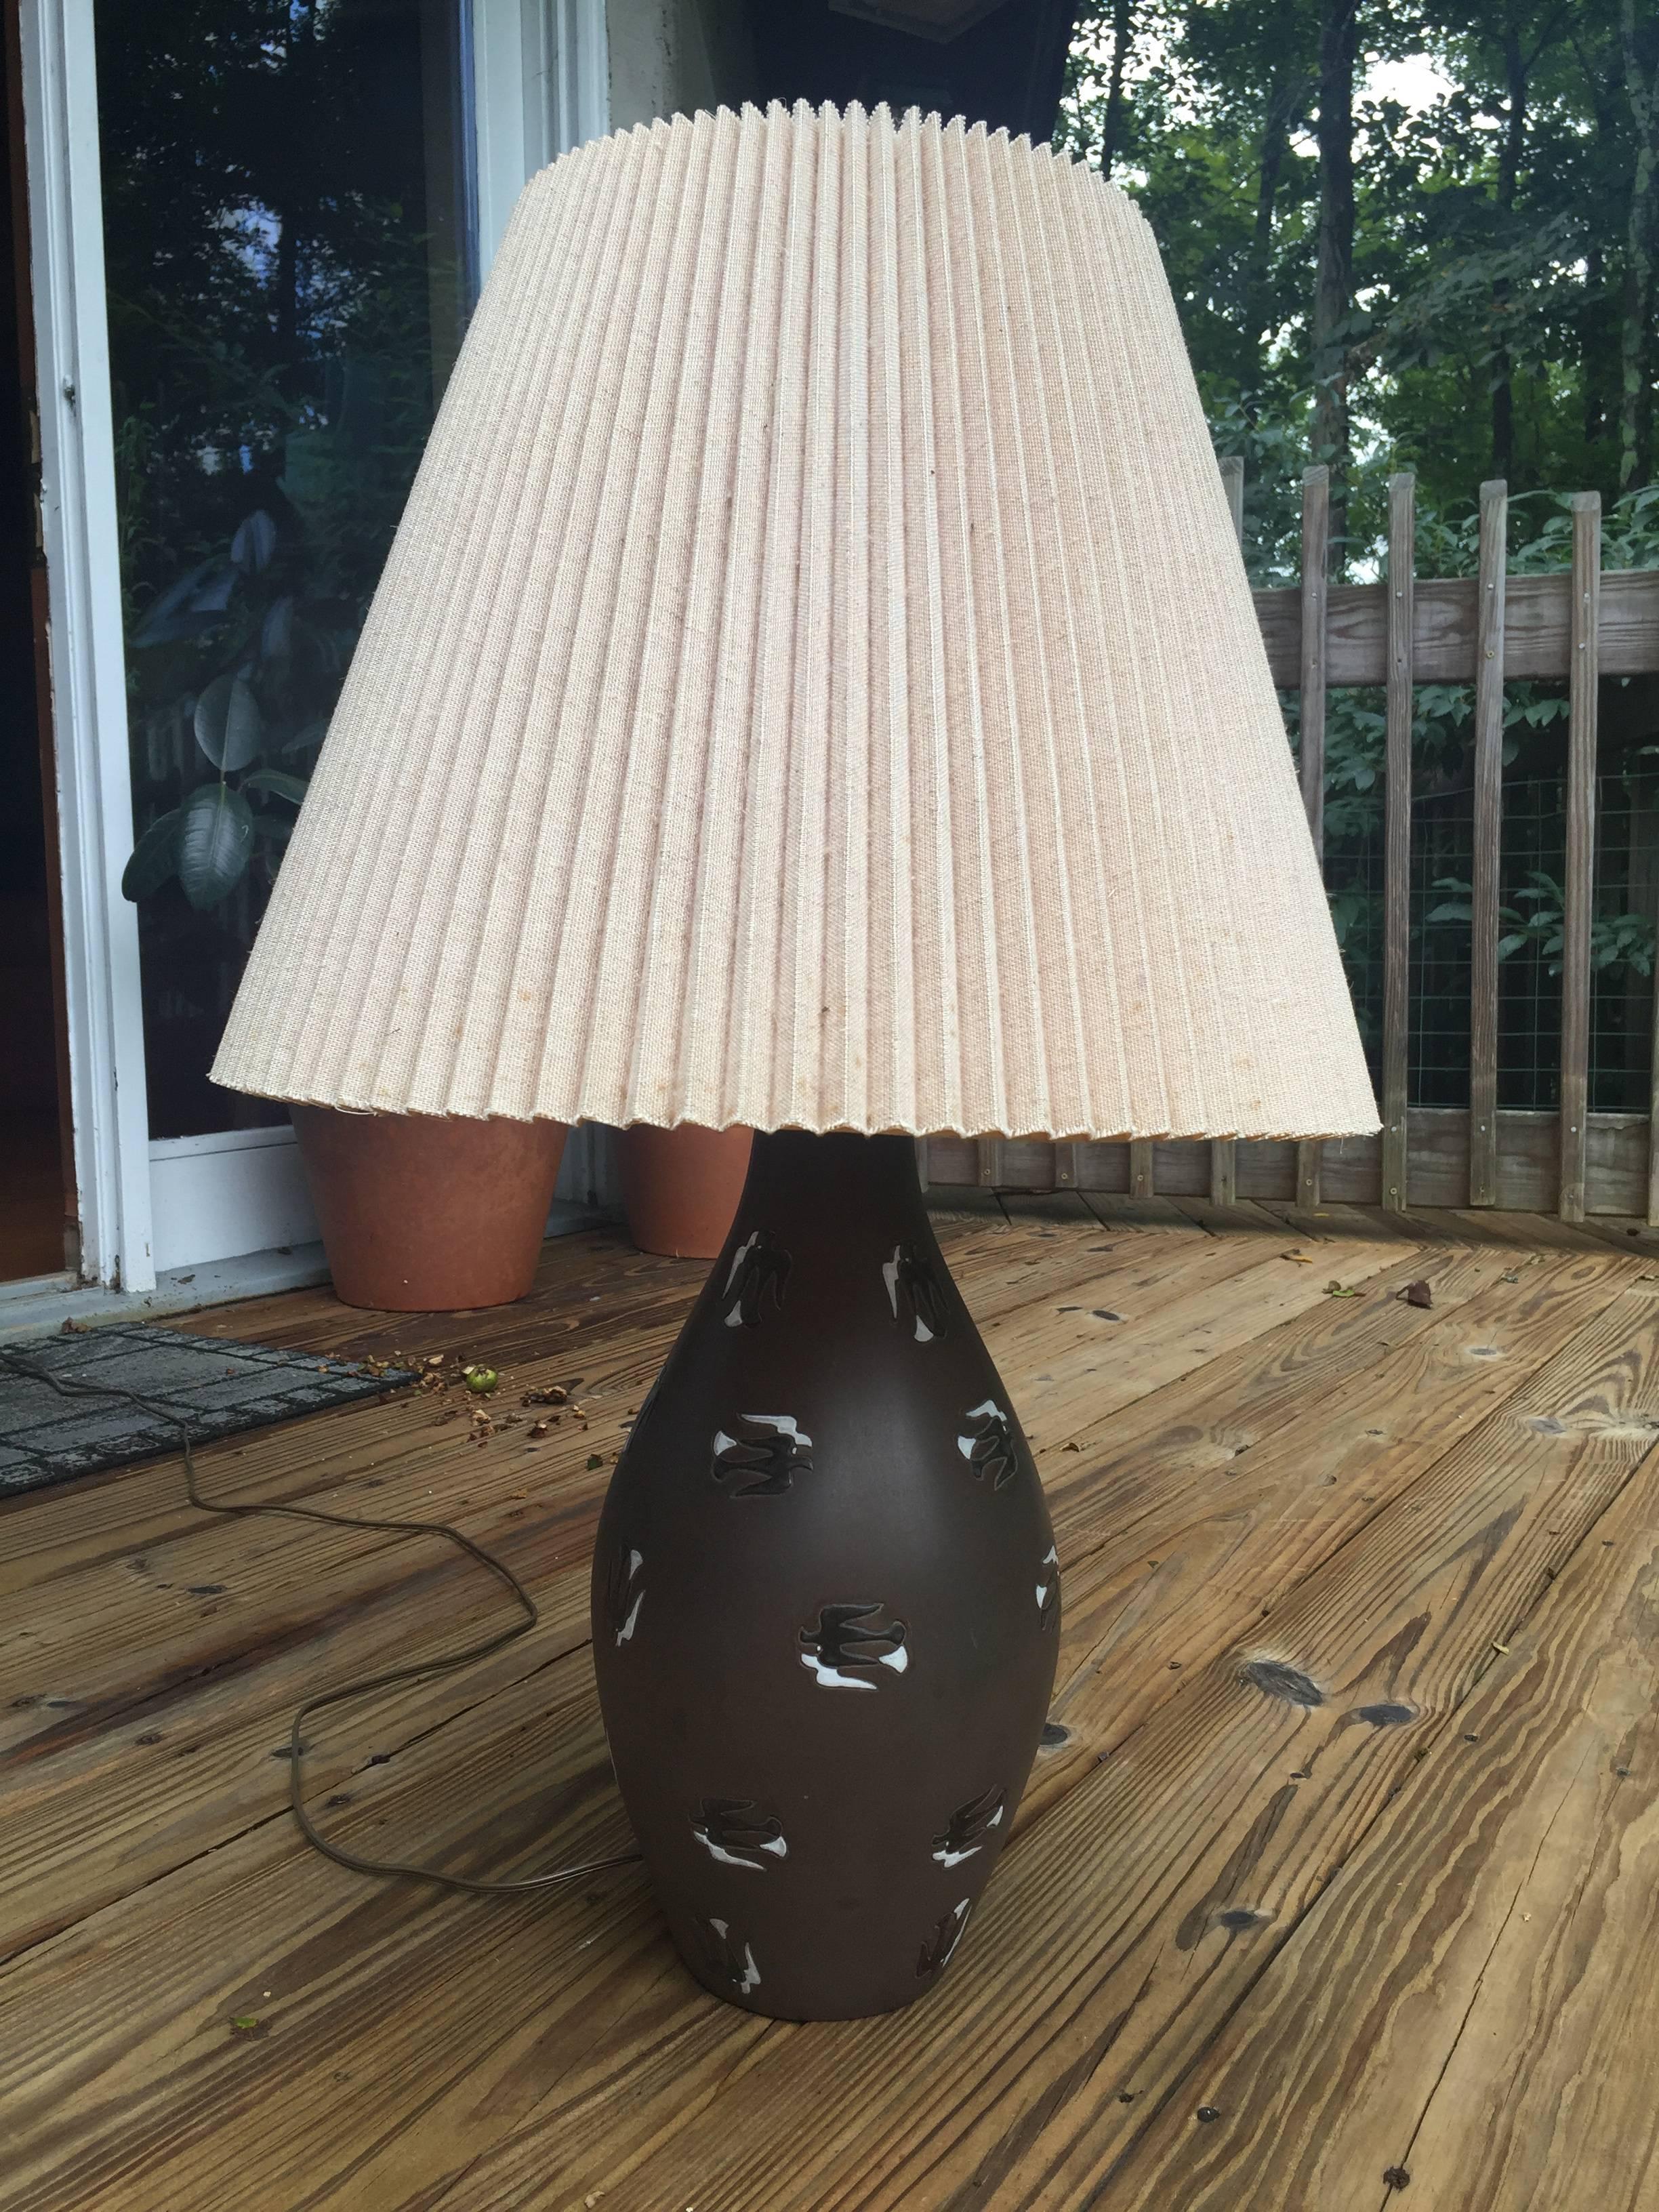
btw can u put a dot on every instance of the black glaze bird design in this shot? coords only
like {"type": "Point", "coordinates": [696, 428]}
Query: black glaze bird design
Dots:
{"type": "Point", "coordinates": [735, 1831]}
{"type": "Point", "coordinates": [730, 1960]}
{"type": "Point", "coordinates": [1047, 1588]}
{"type": "Point", "coordinates": [760, 1266]}
{"type": "Point", "coordinates": [915, 1293]}
{"type": "Point", "coordinates": [766, 1456]}
{"type": "Point", "coordinates": [844, 1639]}
{"type": "Point", "coordinates": [936, 1953]}
{"type": "Point", "coordinates": [965, 1831]}
{"type": "Point", "coordinates": [988, 1445]}
{"type": "Point", "coordinates": [623, 1595]}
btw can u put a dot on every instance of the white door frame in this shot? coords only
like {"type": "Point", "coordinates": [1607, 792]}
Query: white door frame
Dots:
{"type": "Point", "coordinates": [541, 81]}
{"type": "Point", "coordinates": [540, 73]}
{"type": "Point", "coordinates": [86, 654]}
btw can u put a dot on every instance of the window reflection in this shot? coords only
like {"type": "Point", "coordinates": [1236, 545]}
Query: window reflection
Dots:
{"type": "Point", "coordinates": [288, 265]}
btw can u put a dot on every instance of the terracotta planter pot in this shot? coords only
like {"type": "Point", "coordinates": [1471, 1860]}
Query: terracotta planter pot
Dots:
{"type": "Point", "coordinates": [428, 1212]}
{"type": "Point", "coordinates": [681, 1186]}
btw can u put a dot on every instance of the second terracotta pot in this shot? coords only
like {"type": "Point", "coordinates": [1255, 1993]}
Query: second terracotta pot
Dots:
{"type": "Point", "coordinates": [429, 1213]}
{"type": "Point", "coordinates": [681, 1186]}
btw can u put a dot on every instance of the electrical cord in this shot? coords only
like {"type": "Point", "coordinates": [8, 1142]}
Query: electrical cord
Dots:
{"type": "Point", "coordinates": [419, 1671]}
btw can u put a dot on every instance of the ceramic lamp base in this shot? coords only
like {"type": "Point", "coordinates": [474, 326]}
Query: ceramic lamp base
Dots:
{"type": "Point", "coordinates": [825, 1598]}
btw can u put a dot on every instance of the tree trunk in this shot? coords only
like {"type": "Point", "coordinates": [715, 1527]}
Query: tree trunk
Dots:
{"type": "Point", "coordinates": [297, 89]}
{"type": "Point", "coordinates": [1111, 143]}
{"type": "Point", "coordinates": [1339, 41]}
{"type": "Point", "coordinates": [1275, 144]}
{"type": "Point", "coordinates": [1635, 409]}
{"type": "Point", "coordinates": [1509, 173]}
{"type": "Point", "coordinates": [1591, 350]}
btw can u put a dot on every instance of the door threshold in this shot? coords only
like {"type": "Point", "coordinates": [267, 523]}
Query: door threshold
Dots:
{"type": "Point", "coordinates": [35, 1286]}
{"type": "Point", "coordinates": [47, 1305]}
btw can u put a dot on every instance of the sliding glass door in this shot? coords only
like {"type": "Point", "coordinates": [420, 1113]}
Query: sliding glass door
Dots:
{"type": "Point", "coordinates": [290, 264]}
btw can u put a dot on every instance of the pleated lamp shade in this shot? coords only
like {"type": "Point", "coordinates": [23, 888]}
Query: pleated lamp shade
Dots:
{"type": "Point", "coordinates": [814, 684]}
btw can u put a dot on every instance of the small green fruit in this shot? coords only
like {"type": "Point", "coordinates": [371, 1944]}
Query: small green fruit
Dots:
{"type": "Point", "coordinates": [482, 1380]}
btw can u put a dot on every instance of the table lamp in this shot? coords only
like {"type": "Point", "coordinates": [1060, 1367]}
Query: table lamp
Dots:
{"type": "Point", "coordinates": [815, 686]}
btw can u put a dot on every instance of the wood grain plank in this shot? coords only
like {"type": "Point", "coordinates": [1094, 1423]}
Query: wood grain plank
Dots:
{"type": "Point", "coordinates": [157, 2102]}
{"type": "Point", "coordinates": [1397, 859]}
{"type": "Point", "coordinates": [1537, 632]}
{"type": "Point", "coordinates": [1488, 835]}
{"type": "Point", "coordinates": [1488, 1952]}
{"type": "Point", "coordinates": [1223, 1171]}
{"type": "Point", "coordinates": [1157, 1580]}
{"type": "Point", "coordinates": [1582, 677]}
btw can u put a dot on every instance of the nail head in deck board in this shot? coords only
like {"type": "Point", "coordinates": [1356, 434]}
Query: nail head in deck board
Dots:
{"type": "Point", "coordinates": [1397, 859]}
{"type": "Point", "coordinates": [1582, 680]}
{"type": "Point", "coordinates": [1491, 585]}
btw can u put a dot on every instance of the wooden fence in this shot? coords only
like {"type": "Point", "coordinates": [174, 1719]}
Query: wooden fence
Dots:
{"type": "Point", "coordinates": [1484, 629]}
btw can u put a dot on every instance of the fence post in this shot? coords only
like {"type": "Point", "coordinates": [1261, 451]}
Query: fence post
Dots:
{"type": "Point", "coordinates": [1397, 838]}
{"type": "Point", "coordinates": [1582, 673]}
{"type": "Point", "coordinates": [1224, 1153]}
{"type": "Point", "coordinates": [1488, 833]}
{"type": "Point", "coordinates": [1316, 554]}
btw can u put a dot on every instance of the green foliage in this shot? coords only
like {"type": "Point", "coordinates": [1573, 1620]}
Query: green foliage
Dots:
{"type": "Point", "coordinates": [1493, 246]}
{"type": "Point", "coordinates": [1620, 943]}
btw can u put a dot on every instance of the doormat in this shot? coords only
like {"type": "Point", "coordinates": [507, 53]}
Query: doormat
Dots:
{"type": "Point", "coordinates": [218, 1387]}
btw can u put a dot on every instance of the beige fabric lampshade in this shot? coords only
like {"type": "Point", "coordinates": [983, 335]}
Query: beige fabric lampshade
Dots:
{"type": "Point", "coordinates": [814, 683]}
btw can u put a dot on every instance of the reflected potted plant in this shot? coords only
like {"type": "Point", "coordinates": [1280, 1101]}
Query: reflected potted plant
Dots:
{"type": "Point", "coordinates": [483, 1187]}
{"type": "Point", "coordinates": [260, 708]}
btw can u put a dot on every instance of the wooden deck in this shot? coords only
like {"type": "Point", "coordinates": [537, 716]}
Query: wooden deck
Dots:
{"type": "Point", "coordinates": [1346, 1870]}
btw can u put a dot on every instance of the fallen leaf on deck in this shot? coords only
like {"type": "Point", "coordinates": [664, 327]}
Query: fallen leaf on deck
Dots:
{"type": "Point", "coordinates": [1418, 1294]}
{"type": "Point", "coordinates": [1300, 1258]}
{"type": "Point", "coordinates": [593, 1460]}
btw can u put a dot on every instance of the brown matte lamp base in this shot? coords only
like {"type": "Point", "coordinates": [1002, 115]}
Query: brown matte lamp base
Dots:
{"type": "Point", "coordinates": [825, 1598]}
{"type": "Point", "coordinates": [429, 1213]}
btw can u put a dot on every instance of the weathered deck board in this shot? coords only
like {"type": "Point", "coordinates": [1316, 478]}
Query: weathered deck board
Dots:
{"type": "Point", "coordinates": [1401, 1488]}
{"type": "Point", "coordinates": [1473, 1979]}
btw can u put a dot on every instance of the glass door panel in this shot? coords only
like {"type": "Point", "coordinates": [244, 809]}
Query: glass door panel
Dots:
{"type": "Point", "coordinates": [289, 267]}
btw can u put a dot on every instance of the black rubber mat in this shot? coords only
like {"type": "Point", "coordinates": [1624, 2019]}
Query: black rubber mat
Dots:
{"type": "Point", "coordinates": [218, 1387]}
